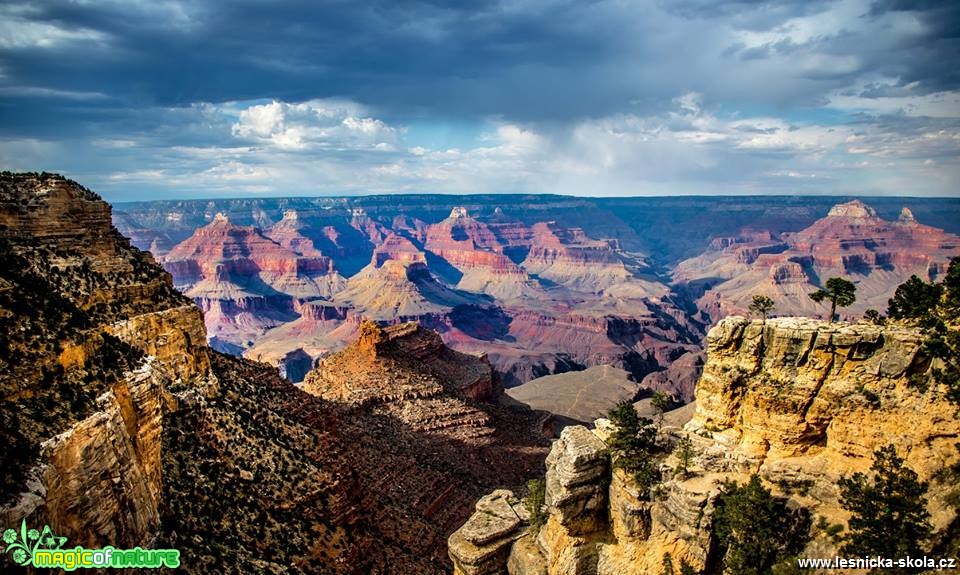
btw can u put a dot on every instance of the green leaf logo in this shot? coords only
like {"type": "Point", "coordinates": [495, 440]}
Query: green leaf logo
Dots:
{"type": "Point", "coordinates": [27, 541]}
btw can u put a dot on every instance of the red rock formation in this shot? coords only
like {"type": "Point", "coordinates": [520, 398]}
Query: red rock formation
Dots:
{"type": "Point", "coordinates": [851, 242]}
{"type": "Point", "coordinates": [567, 256]}
{"type": "Point", "coordinates": [472, 248]}
{"type": "Point", "coordinates": [511, 233]}
{"type": "Point", "coordinates": [399, 289]}
{"type": "Point", "coordinates": [400, 362]}
{"type": "Point", "coordinates": [364, 224]}
{"type": "Point", "coordinates": [539, 343]}
{"type": "Point", "coordinates": [398, 248]}
{"type": "Point", "coordinates": [247, 282]}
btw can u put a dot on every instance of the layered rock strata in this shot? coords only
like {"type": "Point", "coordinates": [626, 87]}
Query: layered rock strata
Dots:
{"type": "Point", "coordinates": [798, 401]}
{"type": "Point", "coordinates": [123, 428]}
{"type": "Point", "coordinates": [94, 340]}
{"type": "Point", "coordinates": [852, 241]}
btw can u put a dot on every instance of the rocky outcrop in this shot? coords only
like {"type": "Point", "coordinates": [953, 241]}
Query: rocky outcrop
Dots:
{"type": "Point", "coordinates": [482, 545]}
{"type": "Point", "coordinates": [470, 247]}
{"type": "Point", "coordinates": [568, 257]}
{"type": "Point", "coordinates": [640, 341]}
{"type": "Point", "coordinates": [398, 289]}
{"type": "Point", "coordinates": [806, 397]}
{"type": "Point", "coordinates": [798, 401]}
{"type": "Point", "coordinates": [400, 362]}
{"type": "Point", "coordinates": [95, 343]}
{"type": "Point", "coordinates": [398, 248]}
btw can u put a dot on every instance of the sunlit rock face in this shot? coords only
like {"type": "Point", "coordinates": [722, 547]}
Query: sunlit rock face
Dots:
{"type": "Point", "coordinates": [94, 340]}
{"type": "Point", "coordinates": [247, 281]}
{"type": "Point", "coordinates": [799, 401]}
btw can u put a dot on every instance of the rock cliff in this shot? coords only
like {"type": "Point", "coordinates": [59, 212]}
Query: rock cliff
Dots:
{"type": "Point", "coordinates": [798, 401]}
{"type": "Point", "coordinates": [121, 427]}
{"type": "Point", "coordinates": [94, 341]}
{"type": "Point", "coordinates": [247, 280]}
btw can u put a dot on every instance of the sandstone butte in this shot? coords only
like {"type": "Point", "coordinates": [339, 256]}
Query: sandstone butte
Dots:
{"type": "Point", "coordinates": [799, 401]}
{"type": "Point", "coordinates": [850, 242]}
{"type": "Point", "coordinates": [122, 427]}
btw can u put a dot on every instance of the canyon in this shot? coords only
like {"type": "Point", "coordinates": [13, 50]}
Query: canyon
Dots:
{"type": "Point", "coordinates": [799, 402]}
{"type": "Point", "coordinates": [122, 427]}
{"type": "Point", "coordinates": [537, 299]}
{"type": "Point", "coordinates": [541, 284]}
{"type": "Point", "coordinates": [400, 451]}
{"type": "Point", "coordinates": [852, 242]}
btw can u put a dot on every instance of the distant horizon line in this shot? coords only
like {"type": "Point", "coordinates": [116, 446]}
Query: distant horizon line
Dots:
{"type": "Point", "coordinates": [473, 194]}
{"type": "Point", "coordinates": [535, 194]}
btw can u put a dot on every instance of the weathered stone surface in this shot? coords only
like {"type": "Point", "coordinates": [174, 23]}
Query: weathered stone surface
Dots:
{"type": "Point", "coordinates": [494, 519]}
{"type": "Point", "coordinates": [830, 394]}
{"type": "Point", "coordinates": [482, 544]}
{"type": "Point", "coordinates": [525, 558]}
{"type": "Point", "coordinates": [110, 341]}
{"type": "Point", "coordinates": [576, 463]}
{"type": "Point", "coordinates": [801, 402]}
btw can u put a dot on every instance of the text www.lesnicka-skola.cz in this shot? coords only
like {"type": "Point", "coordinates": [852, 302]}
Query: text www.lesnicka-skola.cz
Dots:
{"type": "Point", "coordinates": [877, 562]}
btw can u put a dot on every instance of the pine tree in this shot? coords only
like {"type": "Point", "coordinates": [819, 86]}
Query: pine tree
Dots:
{"type": "Point", "coordinates": [761, 305]}
{"type": "Point", "coordinates": [536, 495]}
{"type": "Point", "coordinates": [660, 403]}
{"type": "Point", "coordinates": [939, 322]}
{"type": "Point", "coordinates": [755, 529]}
{"type": "Point", "coordinates": [840, 293]}
{"type": "Point", "coordinates": [685, 454]}
{"type": "Point", "coordinates": [914, 299]}
{"type": "Point", "coordinates": [889, 514]}
{"type": "Point", "coordinates": [633, 443]}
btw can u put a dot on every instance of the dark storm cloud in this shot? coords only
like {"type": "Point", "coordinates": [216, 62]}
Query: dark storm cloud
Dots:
{"type": "Point", "coordinates": [525, 60]}
{"type": "Point", "coordinates": [154, 90]}
{"type": "Point", "coordinates": [408, 55]}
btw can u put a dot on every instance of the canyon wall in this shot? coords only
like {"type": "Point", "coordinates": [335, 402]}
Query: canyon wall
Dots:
{"type": "Point", "coordinates": [95, 342]}
{"type": "Point", "coordinates": [800, 402]}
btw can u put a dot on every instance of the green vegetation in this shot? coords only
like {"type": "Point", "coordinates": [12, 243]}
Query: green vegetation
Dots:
{"type": "Point", "coordinates": [839, 292]}
{"type": "Point", "coordinates": [935, 307]}
{"type": "Point", "coordinates": [914, 299]}
{"type": "Point", "coordinates": [761, 305]}
{"type": "Point", "coordinates": [660, 403]}
{"type": "Point", "coordinates": [889, 515]}
{"type": "Point", "coordinates": [536, 494]}
{"type": "Point", "coordinates": [633, 444]}
{"type": "Point", "coordinates": [685, 454]}
{"type": "Point", "coordinates": [754, 530]}
{"type": "Point", "coordinates": [874, 317]}
{"type": "Point", "coordinates": [667, 564]}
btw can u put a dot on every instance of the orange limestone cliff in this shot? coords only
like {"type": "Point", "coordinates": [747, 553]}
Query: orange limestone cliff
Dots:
{"type": "Point", "coordinates": [800, 402]}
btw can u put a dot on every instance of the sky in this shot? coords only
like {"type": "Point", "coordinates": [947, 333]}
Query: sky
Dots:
{"type": "Point", "coordinates": [157, 99]}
